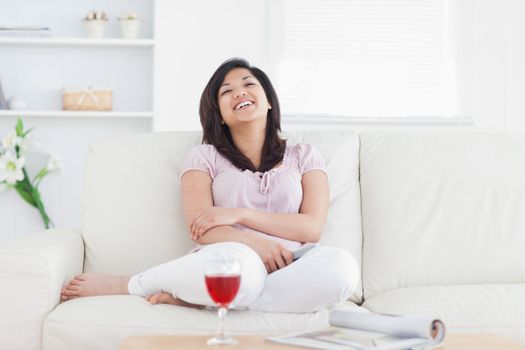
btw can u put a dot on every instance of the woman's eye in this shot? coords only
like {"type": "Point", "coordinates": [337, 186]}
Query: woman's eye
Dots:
{"type": "Point", "coordinates": [225, 92]}
{"type": "Point", "coordinates": [250, 84]}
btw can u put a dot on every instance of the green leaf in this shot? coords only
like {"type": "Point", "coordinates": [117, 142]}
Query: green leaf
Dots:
{"type": "Point", "coordinates": [25, 193]}
{"type": "Point", "coordinates": [41, 209]}
{"type": "Point", "coordinates": [27, 132]}
{"type": "Point", "coordinates": [40, 176]}
{"type": "Point", "coordinates": [19, 128]}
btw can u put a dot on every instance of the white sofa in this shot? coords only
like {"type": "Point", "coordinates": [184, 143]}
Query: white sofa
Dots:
{"type": "Point", "coordinates": [437, 220]}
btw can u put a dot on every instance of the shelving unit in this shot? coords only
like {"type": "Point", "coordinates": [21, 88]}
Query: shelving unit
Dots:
{"type": "Point", "coordinates": [64, 42]}
{"type": "Point", "coordinates": [36, 69]}
{"type": "Point", "coordinates": [75, 114]}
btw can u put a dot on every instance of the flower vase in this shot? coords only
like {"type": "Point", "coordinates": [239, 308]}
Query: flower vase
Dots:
{"type": "Point", "coordinates": [129, 28]}
{"type": "Point", "coordinates": [95, 28]}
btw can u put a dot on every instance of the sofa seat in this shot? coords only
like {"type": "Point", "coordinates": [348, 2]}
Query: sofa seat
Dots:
{"type": "Point", "coordinates": [103, 322]}
{"type": "Point", "coordinates": [492, 308]}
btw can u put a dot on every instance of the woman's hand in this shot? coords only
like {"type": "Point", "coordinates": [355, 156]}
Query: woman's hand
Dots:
{"type": "Point", "coordinates": [213, 217]}
{"type": "Point", "coordinates": [273, 254]}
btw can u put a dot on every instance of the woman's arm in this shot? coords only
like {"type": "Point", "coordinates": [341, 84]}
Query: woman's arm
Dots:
{"type": "Point", "coordinates": [306, 226]}
{"type": "Point", "coordinates": [197, 197]}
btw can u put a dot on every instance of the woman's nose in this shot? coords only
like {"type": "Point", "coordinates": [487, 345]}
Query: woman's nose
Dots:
{"type": "Point", "coordinates": [239, 92]}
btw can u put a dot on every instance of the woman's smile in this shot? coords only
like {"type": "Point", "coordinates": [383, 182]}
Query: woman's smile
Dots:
{"type": "Point", "coordinates": [242, 98]}
{"type": "Point", "coordinates": [243, 105]}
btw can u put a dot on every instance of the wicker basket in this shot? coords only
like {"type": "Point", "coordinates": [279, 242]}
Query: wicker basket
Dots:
{"type": "Point", "coordinates": [87, 99]}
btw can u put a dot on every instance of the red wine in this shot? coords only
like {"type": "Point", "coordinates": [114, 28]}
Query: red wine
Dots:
{"type": "Point", "coordinates": [223, 288]}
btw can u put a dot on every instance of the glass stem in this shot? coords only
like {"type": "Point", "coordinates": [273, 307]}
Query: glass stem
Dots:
{"type": "Point", "coordinates": [222, 315]}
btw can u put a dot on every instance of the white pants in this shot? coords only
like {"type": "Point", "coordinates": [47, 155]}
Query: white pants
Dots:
{"type": "Point", "coordinates": [323, 277]}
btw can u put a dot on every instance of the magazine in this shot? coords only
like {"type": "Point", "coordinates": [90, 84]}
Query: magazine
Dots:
{"type": "Point", "coordinates": [360, 330]}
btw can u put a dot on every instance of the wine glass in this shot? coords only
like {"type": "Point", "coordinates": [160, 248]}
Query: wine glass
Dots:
{"type": "Point", "coordinates": [223, 278]}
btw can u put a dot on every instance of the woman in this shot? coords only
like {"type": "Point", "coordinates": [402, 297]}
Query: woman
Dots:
{"type": "Point", "coordinates": [248, 194]}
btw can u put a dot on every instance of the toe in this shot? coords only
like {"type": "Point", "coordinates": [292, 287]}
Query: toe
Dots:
{"type": "Point", "coordinates": [72, 288]}
{"type": "Point", "coordinates": [70, 293]}
{"type": "Point", "coordinates": [81, 277]}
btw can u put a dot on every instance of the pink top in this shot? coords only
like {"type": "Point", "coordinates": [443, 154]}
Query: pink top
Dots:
{"type": "Point", "coordinates": [278, 190]}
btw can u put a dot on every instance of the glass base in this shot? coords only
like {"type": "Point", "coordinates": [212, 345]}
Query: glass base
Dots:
{"type": "Point", "coordinates": [222, 340]}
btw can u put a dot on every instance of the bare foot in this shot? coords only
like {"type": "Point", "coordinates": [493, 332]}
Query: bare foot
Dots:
{"type": "Point", "coordinates": [91, 284]}
{"type": "Point", "coordinates": [166, 298]}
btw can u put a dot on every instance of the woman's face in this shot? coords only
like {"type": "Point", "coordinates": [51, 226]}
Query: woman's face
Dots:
{"type": "Point", "coordinates": [242, 98]}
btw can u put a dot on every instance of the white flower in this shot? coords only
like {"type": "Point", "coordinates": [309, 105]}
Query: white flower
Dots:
{"type": "Point", "coordinates": [54, 164]}
{"type": "Point", "coordinates": [129, 16]}
{"type": "Point", "coordinates": [11, 168]}
{"type": "Point", "coordinates": [11, 140]}
{"type": "Point", "coordinates": [27, 143]}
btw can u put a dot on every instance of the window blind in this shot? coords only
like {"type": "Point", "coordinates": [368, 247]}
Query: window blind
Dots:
{"type": "Point", "coordinates": [365, 58]}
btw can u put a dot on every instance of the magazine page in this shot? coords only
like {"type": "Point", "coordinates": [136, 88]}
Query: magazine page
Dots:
{"type": "Point", "coordinates": [335, 338]}
{"type": "Point", "coordinates": [430, 329]}
{"type": "Point", "coordinates": [366, 331]}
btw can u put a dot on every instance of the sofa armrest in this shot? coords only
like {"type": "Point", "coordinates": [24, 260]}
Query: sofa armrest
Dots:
{"type": "Point", "coordinates": [33, 270]}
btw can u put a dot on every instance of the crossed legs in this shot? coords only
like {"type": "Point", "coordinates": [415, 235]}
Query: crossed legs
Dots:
{"type": "Point", "coordinates": [323, 277]}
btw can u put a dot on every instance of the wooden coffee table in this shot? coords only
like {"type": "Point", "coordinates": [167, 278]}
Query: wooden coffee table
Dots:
{"type": "Point", "coordinates": [254, 342]}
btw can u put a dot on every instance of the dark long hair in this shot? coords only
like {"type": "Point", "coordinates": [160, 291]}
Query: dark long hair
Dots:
{"type": "Point", "coordinates": [219, 135]}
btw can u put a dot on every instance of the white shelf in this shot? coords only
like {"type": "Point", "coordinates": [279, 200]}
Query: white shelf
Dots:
{"type": "Point", "coordinates": [108, 42]}
{"type": "Point", "coordinates": [76, 114]}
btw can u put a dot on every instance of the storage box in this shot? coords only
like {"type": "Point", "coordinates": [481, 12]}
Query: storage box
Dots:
{"type": "Point", "coordinates": [87, 99]}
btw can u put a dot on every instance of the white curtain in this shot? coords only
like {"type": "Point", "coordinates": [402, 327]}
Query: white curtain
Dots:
{"type": "Point", "coordinates": [365, 58]}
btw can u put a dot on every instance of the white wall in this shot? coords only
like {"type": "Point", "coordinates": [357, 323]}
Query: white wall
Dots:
{"type": "Point", "coordinates": [517, 70]}
{"type": "Point", "coordinates": [192, 39]}
{"type": "Point", "coordinates": [195, 37]}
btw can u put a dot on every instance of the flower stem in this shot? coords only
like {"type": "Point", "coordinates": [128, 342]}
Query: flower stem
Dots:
{"type": "Point", "coordinates": [31, 195]}
{"type": "Point", "coordinates": [41, 209]}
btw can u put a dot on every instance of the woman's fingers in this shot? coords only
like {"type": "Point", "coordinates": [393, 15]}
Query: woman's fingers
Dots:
{"type": "Point", "coordinates": [279, 261]}
{"type": "Point", "coordinates": [272, 265]}
{"type": "Point", "coordinates": [199, 226]}
{"type": "Point", "coordinates": [288, 256]}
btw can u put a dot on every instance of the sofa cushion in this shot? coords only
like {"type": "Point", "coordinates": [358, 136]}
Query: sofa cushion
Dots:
{"type": "Point", "coordinates": [340, 151]}
{"type": "Point", "coordinates": [132, 212]}
{"type": "Point", "coordinates": [441, 209]}
{"type": "Point", "coordinates": [103, 322]}
{"type": "Point", "coordinates": [491, 308]}
{"type": "Point", "coordinates": [133, 215]}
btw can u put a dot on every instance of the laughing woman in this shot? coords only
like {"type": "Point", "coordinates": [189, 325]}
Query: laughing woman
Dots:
{"type": "Point", "coordinates": [249, 195]}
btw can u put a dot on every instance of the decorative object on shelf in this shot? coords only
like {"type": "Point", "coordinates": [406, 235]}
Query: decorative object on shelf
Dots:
{"type": "Point", "coordinates": [3, 102]}
{"type": "Point", "coordinates": [16, 103]}
{"type": "Point", "coordinates": [22, 30]}
{"type": "Point", "coordinates": [87, 99]}
{"type": "Point", "coordinates": [129, 25]}
{"type": "Point", "coordinates": [95, 23]}
{"type": "Point", "coordinates": [13, 172]}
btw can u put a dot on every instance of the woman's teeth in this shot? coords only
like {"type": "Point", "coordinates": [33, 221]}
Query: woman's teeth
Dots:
{"type": "Point", "coordinates": [243, 104]}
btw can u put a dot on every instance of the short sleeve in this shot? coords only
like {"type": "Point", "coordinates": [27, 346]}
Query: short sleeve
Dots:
{"type": "Point", "coordinates": [310, 159]}
{"type": "Point", "coordinates": [200, 157]}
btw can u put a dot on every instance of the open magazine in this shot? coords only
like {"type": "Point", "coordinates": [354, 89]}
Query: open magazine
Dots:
{"type": "Point", "coordinates": [359, 330]}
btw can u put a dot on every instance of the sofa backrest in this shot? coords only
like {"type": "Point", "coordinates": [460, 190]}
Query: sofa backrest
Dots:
{"type": "Point", "coordinates": [133, 215]}
{"type": "Point", "coordinates": [441, 209]}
